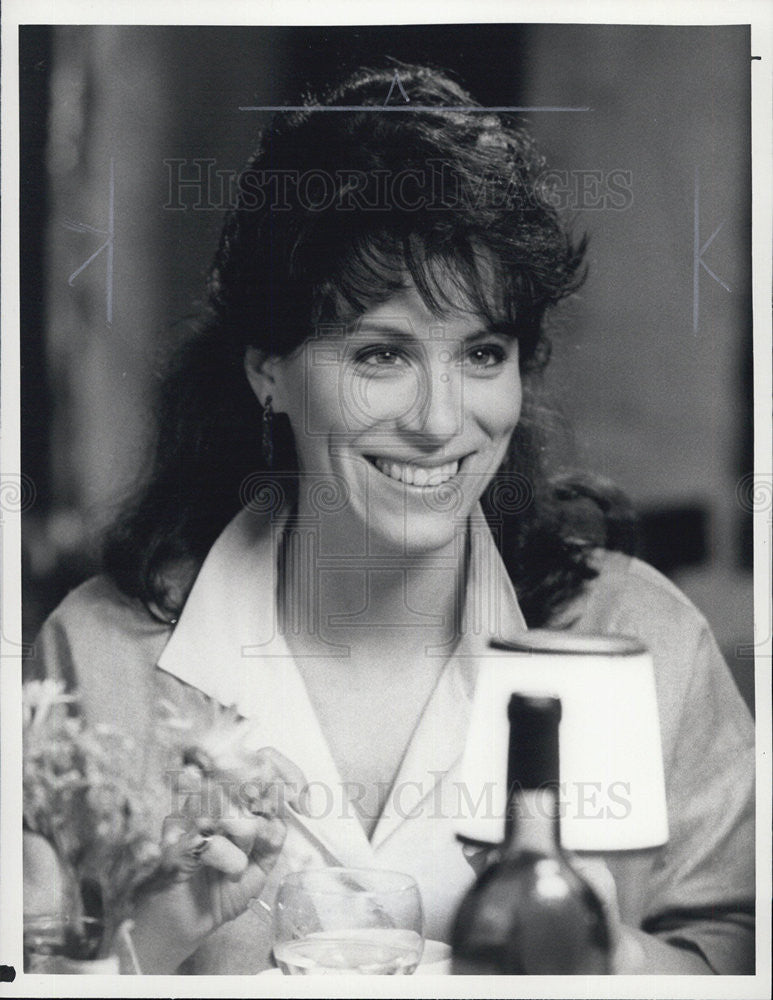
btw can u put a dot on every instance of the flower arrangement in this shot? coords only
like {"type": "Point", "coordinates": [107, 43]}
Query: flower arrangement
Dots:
{"type": "Point", "coordinates": [87, 805]}
{"type": "Point", "coordinates": [83, 798]}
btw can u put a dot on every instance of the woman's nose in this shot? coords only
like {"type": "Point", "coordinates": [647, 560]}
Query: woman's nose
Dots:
{"type": "Point", "coordinates": [437, 411]}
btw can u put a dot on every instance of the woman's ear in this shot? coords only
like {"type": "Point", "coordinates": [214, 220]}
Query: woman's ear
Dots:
{"type": "Point", "coordinates": [261, 370]}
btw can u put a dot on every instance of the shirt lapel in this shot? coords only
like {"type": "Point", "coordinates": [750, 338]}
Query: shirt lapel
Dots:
{"type": "Point", "coordinates": [228, 645]}
{"type": "Point", "coordinates": [490, 609]}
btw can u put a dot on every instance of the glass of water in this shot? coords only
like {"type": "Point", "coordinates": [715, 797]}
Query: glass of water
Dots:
{"type": "Point", "coordinates": [348, 920]}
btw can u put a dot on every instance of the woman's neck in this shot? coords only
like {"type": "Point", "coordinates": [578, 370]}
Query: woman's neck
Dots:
{"type": "Point", "coordinates": [351, 599]}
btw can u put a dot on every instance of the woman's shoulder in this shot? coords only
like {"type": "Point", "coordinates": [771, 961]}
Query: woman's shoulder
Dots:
{"type": "Point", "coordinates": [99, 638]}
{"type": "Point", "coordinates": [628, 593]}
{"type": "Point", "coordinates": [99, 607]}
{"type": "Point", "coordinates": [629, 597]}
{"type": "Point", "coordinates": [104, 645]}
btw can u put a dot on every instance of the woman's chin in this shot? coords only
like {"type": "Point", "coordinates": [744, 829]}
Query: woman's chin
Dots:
{"type": "Point", "coordinates": [414, 536]}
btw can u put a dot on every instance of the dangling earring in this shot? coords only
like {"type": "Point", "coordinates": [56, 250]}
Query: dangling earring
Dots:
{"type": "Point", "coordinates": [267, 434]}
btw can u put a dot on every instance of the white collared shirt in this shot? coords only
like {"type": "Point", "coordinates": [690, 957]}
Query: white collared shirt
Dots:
{"type": "Point", "coordinates": [698, 888]}
{"type": "Point", "coordinates": [228, 644]}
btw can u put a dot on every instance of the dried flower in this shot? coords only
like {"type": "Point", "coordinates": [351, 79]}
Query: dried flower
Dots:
{"type": "Point", "coordinates": [83, 797]}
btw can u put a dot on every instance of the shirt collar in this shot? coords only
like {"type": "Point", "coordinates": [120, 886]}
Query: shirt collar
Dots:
{"type": "Point", "coordinates": [229, 645]}
{"type": "Point", "coordinates": [232, 611]}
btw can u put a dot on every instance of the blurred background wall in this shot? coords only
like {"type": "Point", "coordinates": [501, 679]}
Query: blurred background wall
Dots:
{"type": "Point", "coordinates": [131, 135]}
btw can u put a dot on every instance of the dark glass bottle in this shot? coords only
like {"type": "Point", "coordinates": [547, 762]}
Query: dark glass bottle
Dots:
{"type": "Point", "coordinates": [530, 913]}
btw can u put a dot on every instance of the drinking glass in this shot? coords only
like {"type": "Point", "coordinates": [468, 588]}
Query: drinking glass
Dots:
{"type": "Point", "coordinates": [348, 920]}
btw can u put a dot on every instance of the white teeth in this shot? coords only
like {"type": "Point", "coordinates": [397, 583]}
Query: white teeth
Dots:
{"type": "Point", "coordinates": [417, 475]}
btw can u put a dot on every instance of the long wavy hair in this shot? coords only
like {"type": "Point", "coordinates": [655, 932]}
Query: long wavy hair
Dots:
{"type": "Point", "coordinates": [336, 212]}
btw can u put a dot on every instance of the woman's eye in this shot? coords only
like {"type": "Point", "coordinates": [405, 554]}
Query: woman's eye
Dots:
{"type": "Point", "coordinates": [380, 357]}
{"type": "Point", "coordinates": [488, 356]}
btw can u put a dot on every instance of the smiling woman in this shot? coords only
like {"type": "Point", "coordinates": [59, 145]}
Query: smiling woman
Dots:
{"type": "Point", "coordinates": [419, 400]}
{"type": "Point", "coordinates": [348, 501]}
{"type": "Point", "coordinates": [485, 247]}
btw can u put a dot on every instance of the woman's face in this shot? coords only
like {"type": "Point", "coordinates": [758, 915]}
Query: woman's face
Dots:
{"type": "Point", "coordinates": [410, 414]}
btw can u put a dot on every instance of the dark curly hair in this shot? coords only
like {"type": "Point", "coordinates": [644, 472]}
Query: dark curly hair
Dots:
{"type": "Point", "coordinates": [336, 212]}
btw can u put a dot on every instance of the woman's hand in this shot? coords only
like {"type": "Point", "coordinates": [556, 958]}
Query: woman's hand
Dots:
{"type": "Point", "coordinates": [479, 858]}
{"type": "Point", "coordinates": [626, 953]}
{"type": "Point", "coordinates": [223, 843]}
{"type": "Point", "coordinates": [633, 952]}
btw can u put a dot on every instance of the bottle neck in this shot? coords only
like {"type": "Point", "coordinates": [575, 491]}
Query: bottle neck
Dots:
{"type": "Point", "coordinates": [532, 821]}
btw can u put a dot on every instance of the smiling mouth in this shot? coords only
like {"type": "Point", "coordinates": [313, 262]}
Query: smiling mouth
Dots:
{"type": "Point", "coordinates": [416, 475]}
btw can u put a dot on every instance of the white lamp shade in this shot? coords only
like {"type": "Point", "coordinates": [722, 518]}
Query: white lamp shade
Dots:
{"type": "Point", "coordinates": [612, 791]}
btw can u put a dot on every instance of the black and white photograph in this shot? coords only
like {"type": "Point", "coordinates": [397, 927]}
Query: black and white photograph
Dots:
{"type": "Point", "coordinates": [386, 500]}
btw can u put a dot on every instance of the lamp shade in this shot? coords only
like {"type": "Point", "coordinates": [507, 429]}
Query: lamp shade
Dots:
{"type": "Point", "coordinates": [612, 791]}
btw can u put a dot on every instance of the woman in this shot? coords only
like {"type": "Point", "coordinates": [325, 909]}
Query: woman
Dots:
{"type": "Point", "coordinates": [348, 500]}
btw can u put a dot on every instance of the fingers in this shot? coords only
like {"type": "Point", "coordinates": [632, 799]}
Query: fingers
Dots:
{"type": "Point", "coordinates": [479, 858]}
{"type": "Point", "coordinates": [268, 843]}
{"type": "Point", "coordinates": [255, 835]}
{"type": "Point", "coordinates": [291, 776]}
{"type": "Point", "coordinates": [275, 783]}
{"type": "Point", "coordinates": [220, 852]}
{"type": "Point", "coordinates": [188, 842]}
{"type": "Point", "coordinates": [222, 823]}
{"type": "Point", "coordinates": [181, 844]}
{"type": "Point", "coordinates": [207, 802]}
{"type": "Point", "coordinates": [264, 783]}
{"type": "Point", "coordinates": [223, 855]}
{"type": "Point", "coordinates": [242, 830]}
{"type": "Point", "coordinates": [601, 880]}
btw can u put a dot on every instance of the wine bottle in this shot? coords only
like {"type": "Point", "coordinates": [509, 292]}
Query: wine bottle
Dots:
{"type": "Point", "coordinates": [530, 913]}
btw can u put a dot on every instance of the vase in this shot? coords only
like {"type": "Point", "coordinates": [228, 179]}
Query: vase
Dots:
{"type": "Point", "coordinates": [62, 965]}
{"type": "Point", "coordinates": [53, 944]}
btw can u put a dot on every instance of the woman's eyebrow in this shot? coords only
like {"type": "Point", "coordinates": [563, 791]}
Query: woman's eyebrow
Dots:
{"type": "Point", "coordinates": [368, 328]}
{"type": "Point", "coordinates": [407, 333]}
{"type": "Point", "coordinates": [503, 330]}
